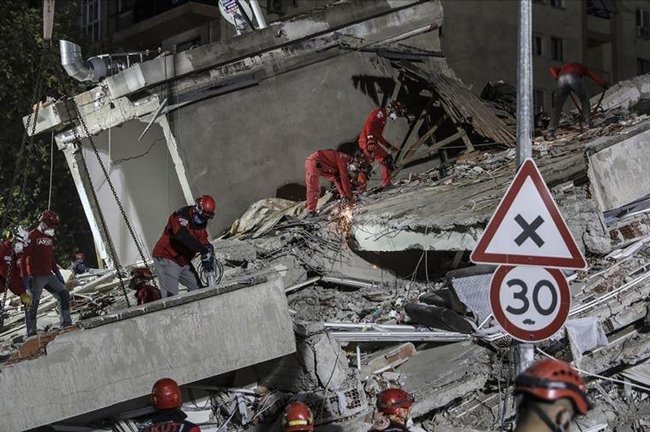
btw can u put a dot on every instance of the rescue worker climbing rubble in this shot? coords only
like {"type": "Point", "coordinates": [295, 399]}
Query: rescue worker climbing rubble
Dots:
{"type": "Point", "coordinates": [553, 394]}
{"type": "Point", "coordinates": [39, 270]}
{"type": "Point", "coordinates": [166, 399]}
{"type": "Point", "coordinates": [184, 236]}
{"type": "Point", "coordinates": [374, 145]}
{"type": "Point", "coordinates": [394, 406]}
{"type": "Point", "coordinates": [10, 251]}
{"type": "Point", "coordinates": [336, 167]}
{"type": "Point", "coordinates": [569, 79]}
{"type": "Point", "coordinates": [297, 417]}
{"type": "Point", "coordinates": [145, 291]}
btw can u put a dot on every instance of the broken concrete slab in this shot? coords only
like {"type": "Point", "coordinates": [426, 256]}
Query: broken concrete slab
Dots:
{"type": "Point", "coordinates": [98, 367]}
{"type": "Point", "coordinates": [439, 375]}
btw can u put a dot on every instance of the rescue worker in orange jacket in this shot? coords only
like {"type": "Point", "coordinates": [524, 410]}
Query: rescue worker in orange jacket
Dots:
{"type": "Point", "coordinates": [10, 250]}
{"type": "Point", "coordinates": [553, 394]}
{"type": "Point", "coordinates": [145, 291]}
{"type": "Point", "coordinates": [374, 145]}
{"type": "Point", "coordinates": [39, 270]}
{"type": "Point", "coordinates": [569, 78]}
{"type": "Point", "coordinates": [166, 398]}
{"type": "Point", "coordinates": [335, 166]}
{"type": "Point", "coordinates": [297, 417]}
{"type": "Point", "coordinates": [394, 406]}
{"type": "Point", "coordinates": [184, 236]}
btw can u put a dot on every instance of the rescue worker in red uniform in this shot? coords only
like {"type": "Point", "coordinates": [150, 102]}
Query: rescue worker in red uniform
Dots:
{"type": "Point", "coordinates": [10, 251]}
{"type": "Point", "coordinates": [569, 78]}
{"type": "Point", "coordinates": [335, 166]}
{"type": "Point", "coordinates": [373, 144]}
{"type": "Point", "coordinates": [166, 398]}
{"type": "Point", "coordinates": [145, 291]}
{"type": "Point", "coordinates": [553, 394]}
{"type": "Point", "coordinates": [297, 417]}
{"type": "Point", "coordinates": [394, 406]}
{"type": "Point", "coordinates": [184, 236]}
{"type": "Point", "coordinates": [39, 270]}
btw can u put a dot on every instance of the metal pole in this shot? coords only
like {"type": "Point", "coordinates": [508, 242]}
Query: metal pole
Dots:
{"type": "Point", "coordinates": [257, 11]}
{"type": "Point", "coordinates": [523, 353]}
{"type": "Point", "coordinates": [525, 83]}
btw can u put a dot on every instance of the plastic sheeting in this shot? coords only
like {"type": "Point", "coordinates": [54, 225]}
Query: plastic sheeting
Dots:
{"type": "Point", "coordinates": [585, 334]}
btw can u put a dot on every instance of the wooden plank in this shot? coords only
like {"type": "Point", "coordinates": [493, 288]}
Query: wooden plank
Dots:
{"type": "Point", "coordinates": [437, 146]}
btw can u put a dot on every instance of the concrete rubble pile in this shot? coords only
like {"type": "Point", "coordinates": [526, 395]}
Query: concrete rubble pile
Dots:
{"type": "Point", "coordinates": [385, 295]}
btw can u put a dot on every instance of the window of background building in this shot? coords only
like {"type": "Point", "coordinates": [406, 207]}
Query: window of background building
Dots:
{"type": "Point", "coordinates": [538, 45]}
{"type": "Point", "coordinates": [643, 23]}
{"type": "Point", "coordinates": [553, 94]}
{"type": "Point", "coordinates": [91, 18]}
{"type": "Point", "coordinates": [556, 49]}
{"type": "Point", "coordinates": [642, 66]}
{"type": "Point", "coordinates": [538, 100]}
{"type": "Point", "coordinates": [601, 8]}
{"type": "Point", "coordinates": [556, 3]}
{"type": "Point", "coordinates": [539, 1]}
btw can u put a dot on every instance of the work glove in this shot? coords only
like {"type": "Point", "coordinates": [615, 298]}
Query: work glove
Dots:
{"type": "Point", "coordinates": [27, 280]}
{"type": "Point", "coordinates": [26, 298]}
{"type": "Point", "coordinates": [207, 258]}
{"type": "Point", "coordinates": [389, 161]}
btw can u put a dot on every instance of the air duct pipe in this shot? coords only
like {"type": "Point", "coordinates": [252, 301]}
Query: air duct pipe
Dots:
{"type": "Point", "coordinates": [74, 64]}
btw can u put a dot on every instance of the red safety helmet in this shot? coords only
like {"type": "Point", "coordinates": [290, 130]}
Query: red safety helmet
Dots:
{"type": "Point", "coordinates": [49, 218]}
{"type": "Point", "coordinates": [142, 273]}
{"type": "Point", "coordinates": [554, 72]}
{"type": "Point", "coordinates": [551, 380]}
{"type": "Point", "coordinates": [206, 206]}
{"type": "Point", "coordinates": [297, 417]}
{"type": "Point", "coordinates": [392, 399]}
{"type": "Point", "coordinates": [166, 394]}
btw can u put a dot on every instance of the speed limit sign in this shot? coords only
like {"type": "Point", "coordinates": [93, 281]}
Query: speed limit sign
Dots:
{"type": "Point", "coordinates": [530, 303]}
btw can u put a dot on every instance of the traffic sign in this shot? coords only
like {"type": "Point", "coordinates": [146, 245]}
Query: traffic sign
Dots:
{"type": "Point", "coordinates": [530, 303]}
{"type": "Point", "coordinates": [527, 227]}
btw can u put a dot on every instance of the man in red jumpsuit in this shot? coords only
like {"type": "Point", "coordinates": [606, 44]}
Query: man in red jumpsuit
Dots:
{"type": "Point", "coordinates": [374, 145]}
{"type": "Point", "coordinates": [39, 270]}
{"type": "Point", "coordinates": [184, 236]}
{"type": "Point", "coordinates": [145, 291]}
{"type": "Point", "coordinates": [334, 166]}
{"type": "Point", "coordinates": [166, 399]}
{"type": "Point", "coordinates": [10, 251]}
{"type": "Point", "coordinates": [569, 78]}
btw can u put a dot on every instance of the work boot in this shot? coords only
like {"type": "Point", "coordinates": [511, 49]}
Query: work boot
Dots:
{"type": "Point", "coordinates": [66, 319]}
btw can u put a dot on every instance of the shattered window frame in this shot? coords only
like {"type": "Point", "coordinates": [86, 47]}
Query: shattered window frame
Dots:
{"type": "Point", "coordinates": [557, 49]}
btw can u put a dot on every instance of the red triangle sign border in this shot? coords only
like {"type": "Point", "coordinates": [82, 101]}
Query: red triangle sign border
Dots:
{"type": "Point", "coordinates": [480, 255]}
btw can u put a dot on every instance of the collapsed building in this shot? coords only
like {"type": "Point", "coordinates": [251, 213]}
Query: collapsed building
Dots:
{"type": "Point", "coordinates": [333, 309]}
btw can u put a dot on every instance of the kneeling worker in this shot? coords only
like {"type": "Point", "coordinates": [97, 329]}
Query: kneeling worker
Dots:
{"type": "Point", "coordinates": [335, 167]}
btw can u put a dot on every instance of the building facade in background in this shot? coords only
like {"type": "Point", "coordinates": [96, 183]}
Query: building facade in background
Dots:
{"type": "Point", "coordinates": [479, 39]}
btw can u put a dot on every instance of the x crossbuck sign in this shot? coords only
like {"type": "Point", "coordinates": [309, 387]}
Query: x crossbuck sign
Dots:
{"type": "Point", "coordinates": [527, 227]}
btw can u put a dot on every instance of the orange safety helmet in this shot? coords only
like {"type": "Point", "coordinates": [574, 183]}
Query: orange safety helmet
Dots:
{"type": "Point", "coordinates": [206, 206]}
{"type": "Point", "coordinates": [49, 218]}
{"type": "Point", "coordinates": [297, 417]}
{"type": "Point", "coordinates": [166, 394]}
{"type": "Point", "coordinates": [551, 380]}
{"type": "Point", "coordinates": [392, 399]}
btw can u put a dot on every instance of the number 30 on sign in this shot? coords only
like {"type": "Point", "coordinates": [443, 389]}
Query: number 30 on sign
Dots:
{"type": "Point", "coordinates": [530, 303]}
